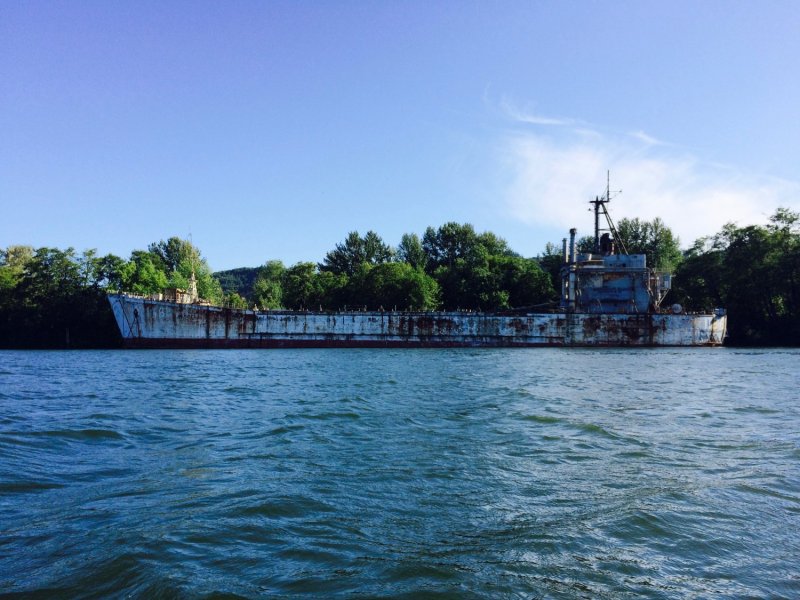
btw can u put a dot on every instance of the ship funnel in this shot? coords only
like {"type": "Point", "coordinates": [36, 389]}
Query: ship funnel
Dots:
{"type": "Point", "coordinates": [572, 233]}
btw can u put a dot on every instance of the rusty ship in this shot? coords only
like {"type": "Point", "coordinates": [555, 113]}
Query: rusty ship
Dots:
{"type": "Point", "coordinates": [607, 298]}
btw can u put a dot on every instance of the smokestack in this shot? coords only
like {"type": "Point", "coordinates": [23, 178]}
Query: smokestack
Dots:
{"type": "Point", "coordinates": [572, 233]}
{"type": "Point", "coordinates": [564, 250]}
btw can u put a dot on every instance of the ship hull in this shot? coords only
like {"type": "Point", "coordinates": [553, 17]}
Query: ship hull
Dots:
{"type": "Point", "coordinates": [147, 323]}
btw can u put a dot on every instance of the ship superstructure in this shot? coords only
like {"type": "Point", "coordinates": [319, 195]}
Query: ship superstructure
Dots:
{"type": "Point", "coordinates": [608, 280]}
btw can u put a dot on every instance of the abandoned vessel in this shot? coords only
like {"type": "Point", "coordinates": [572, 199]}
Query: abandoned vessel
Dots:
{"type": "Point", "coordinates": [608, 298]}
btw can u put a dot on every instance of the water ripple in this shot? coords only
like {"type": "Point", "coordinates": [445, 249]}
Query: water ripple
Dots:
{"type": "Point", "coordinates": [400, 474]}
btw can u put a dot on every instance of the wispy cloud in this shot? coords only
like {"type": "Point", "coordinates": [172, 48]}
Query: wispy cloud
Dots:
{"type": "Point", "coordinates": [524, 115]}
{"type": "Point", "coordinates": [551, 179]}
{"type": "Point", "coordinates": [645, 138]}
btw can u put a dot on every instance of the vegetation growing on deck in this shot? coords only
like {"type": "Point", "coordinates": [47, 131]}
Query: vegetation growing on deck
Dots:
{"type": "Point", "coordinates": [452, 267]}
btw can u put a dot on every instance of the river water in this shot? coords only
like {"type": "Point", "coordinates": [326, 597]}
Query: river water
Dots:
{"type": "Point", "coordinates": [508, 473]}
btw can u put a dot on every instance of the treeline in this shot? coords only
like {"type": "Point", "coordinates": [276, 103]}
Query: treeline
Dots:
{"type": "Point", "coordinates": [753, 272]}
{"type": "Point", "coordinates": [57, 298]}
{"type": "Point", "coordinates": [449, 268]}
{"type": "Point", "coordinates": [52, 298]}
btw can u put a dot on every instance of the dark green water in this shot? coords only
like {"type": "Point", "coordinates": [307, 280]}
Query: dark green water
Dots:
{"type": "Point", "coordinates": [433, 473]}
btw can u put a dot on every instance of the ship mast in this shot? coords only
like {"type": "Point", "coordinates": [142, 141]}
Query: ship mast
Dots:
{"type": "Point", "coordinates": [599, 203]}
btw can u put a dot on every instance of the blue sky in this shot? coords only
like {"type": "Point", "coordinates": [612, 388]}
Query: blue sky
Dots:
{"type": "Point", "coordinates": [269, 130]}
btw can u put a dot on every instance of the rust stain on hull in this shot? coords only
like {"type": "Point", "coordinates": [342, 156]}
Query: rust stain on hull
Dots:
{"type": "Point", "coordinates": [155, 324]}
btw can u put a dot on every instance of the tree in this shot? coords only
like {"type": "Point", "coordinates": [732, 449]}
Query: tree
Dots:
{"type": "Point", "coordinates": [176, 260]}
{"type": "Point", "coordinates": [13, 261]}
{"type": "Point", "coordinates": [652, 238]}
{"type": "Point", "coordinates": [268, 287]}
{"type": "Point", "coordinates": [452, 241]}
{"type": "Point", "coordinates": [784, 260]}
{"type": "Point", "coordinates": [234, 300]}
{"type": "Point", "coordinates": [375, 251]}
{"type": "Point", "coordinates": [699, 279]}
{"type": "Point", "coordinates": [240, 280]}
{"type": "Point", "coordinates": [110, 271]}
{"type": "Point", "coordinates": [410, 251]}
{"type": "Point", "coordinates": [207, 286]}
{"type": "Point", "coordinates": [751, 286]}
{"type": "Point", "coordinates": [502, 282]}
{"type": "Point", "coordinates": [173, 253]}
{"type": "Point", "coordinates": [355, 250]}
{"type": "Point", "coordinates": [585, 244]}
{"type": "Point", "coordinates": [551, 261]}
{"type": "Point", "coordinates": [345, 257]}
{"type": "Point", "coordinates": [401, 286]}
{"type": "Point", "coordinates": [754, 273]}
{"type": "Point", "coordinates": [55, 302]}
{"type": "Point", "coordinates": [299, 286]}
{"type": "Point", "coordinates": [524, 280]}
{"type": "Point", "coordinates": [761, 269]}
{"type": "Point", "coordinates": [305, 287]}
{"type": "Point", "coordinates": [143, 274]}
{"type": "Point", "coordinates": [15, 258]}
{"type": "Point", "coordinates": [480, 271]}
{"type": "Point", "coordinates": [50, 275]}
{"type": "Point", "coordinates": [494, 244]}
{"type": "Point", "coordinates": [331, 289]}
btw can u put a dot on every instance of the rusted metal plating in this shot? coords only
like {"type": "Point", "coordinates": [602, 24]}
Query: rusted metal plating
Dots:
{"type": "Point", "coordinates": [150, 323]}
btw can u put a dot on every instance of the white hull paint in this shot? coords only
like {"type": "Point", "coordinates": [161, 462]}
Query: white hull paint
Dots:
{"type": "Point", "coordinates": [154, 324]}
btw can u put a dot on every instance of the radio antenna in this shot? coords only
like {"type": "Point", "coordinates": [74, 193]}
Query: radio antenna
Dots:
{"type": "Point", "coordinates": [600, 207]}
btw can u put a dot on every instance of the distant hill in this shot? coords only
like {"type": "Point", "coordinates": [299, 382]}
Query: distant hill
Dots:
{"type": "Point", "coordinates": [239, 280]}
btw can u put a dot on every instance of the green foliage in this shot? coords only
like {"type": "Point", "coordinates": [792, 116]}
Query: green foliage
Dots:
{"type": "Point", "coordinates": [449, 243]}
{"type": "Point", "coordinates": [754, 272]}
{"type": "Point", "coordinates": [15, 257]}
{"type": "Point", "coordinates": [302, 286]}
{"type": "Point", "coordinates": [50, 275]}
{"type": "Point", "coordinates": [399, 286]}
{"type": "Point", "coordinates": [652, 238]}
{"type": "Point", "coordinates": [234, 300]}
{"type": "Point", "coordinates": [480, 272]}
{"type": "Point", "coordinates": [268, 286]}
{"type": "Point", "coordinates": [170, 264]}
{"type": "Point", "coordinates": [57, 298]}
{"type": "Point", "coordinates": [108, 272]}
{"type": "Point", "coordinates": [51, 298]}
{"type": "Point", "coordinates": [13, 261]}
{"type": "Point", "coordinates": [464, 270]}
{"type": "Point", "coordinates": [173, 253]}
{"type": "Point", "coordinates": [585, 244]}
{"type": "Point", "coordinates": [305, 287]}
{"type": "Point", "coordinates": [699, 282]}
{"type": "Point", "coordinates": [299, 289]}
{"type": "Point", "coordinates": [209, 288]}
{"type": "Point", "coordinates": [144, 274]}
{"type": "Point", "coordinates": [348, 256]}
{"type": "Point", "coordinates": [551, 261]}
{"type": "Point", "coordinates": [241, 280]}
{"type": "Point", "coordinates": [494, 245]}
{"type": "Point", "coordinates": [524, 280]}
{"type": "Point", "coordinates": [492, 282]}
{"type": "Point", "coordinates": [410, 251]}
{"type": "Point", "coordinates": [332, 289]}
